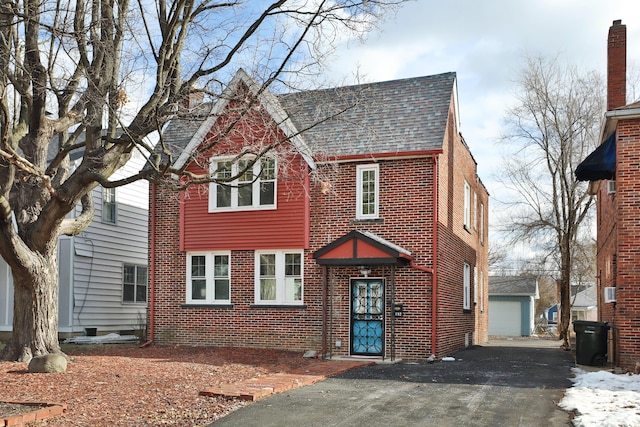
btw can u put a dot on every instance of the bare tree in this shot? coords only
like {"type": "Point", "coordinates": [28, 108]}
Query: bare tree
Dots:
{"type": "Point", "coordinates": [552, 128]}
{"type": "Point", "coordinates": [68, 69]}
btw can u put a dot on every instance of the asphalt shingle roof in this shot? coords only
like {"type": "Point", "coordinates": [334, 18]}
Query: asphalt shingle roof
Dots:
{"type": "Point", "coordinates": [396, 116]}
{"type": "Point", "coordinates": [512, 285]}
{"type": "Point", "coordinates": [388, 117]}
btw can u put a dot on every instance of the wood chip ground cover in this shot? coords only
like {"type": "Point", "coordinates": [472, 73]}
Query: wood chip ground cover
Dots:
{"type": "Point", "coordinates": [131, 386]}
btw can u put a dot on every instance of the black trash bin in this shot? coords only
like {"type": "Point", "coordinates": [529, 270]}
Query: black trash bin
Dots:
{"type": "Point", "coordinates": [591, 342]}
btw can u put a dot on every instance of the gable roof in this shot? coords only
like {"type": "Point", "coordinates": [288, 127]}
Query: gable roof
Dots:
{"type": "Point", "coordinates": [393, 117]}
{"type": "Point", "coordinates": [266, 99]}
{"type": "Point", "coordinates": [513, 286]}
{"type": "Point", "coordinates": [362, 248]}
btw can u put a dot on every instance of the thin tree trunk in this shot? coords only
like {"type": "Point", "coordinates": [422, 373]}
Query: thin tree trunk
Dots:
{"type": "Point", "coordinates": [35, 312]}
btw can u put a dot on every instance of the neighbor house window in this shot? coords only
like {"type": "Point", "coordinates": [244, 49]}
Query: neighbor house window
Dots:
{"type": "Point", "coordinates": [134, 284]}
{"type": "Point", "coordinates": [367, 196]}
{"type": "Point", "coordinates": [253, 188]}
{"type": "Point", "coordinates": [466, 288]}
{"type": "Point", "coordinates": [278, 277]}
{"type": "Point", "coordinates": [109, 205]}
{"type": "Point", "coordinates": [208, 278]}
{"type": "Point", "coordinates": [467, 206]}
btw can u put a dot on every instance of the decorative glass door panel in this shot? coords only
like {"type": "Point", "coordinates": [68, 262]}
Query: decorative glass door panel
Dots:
{"type": "Point", "coordinates": [367, 317]}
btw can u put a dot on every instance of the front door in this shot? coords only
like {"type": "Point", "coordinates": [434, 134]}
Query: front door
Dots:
{"type": "Point", "coordinates": [367, 317]}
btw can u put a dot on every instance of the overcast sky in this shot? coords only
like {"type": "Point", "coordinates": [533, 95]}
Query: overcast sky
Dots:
{"type": "Point", "coordinates": [484, 42]}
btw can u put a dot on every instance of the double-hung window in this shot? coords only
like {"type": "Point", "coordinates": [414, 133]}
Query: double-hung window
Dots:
{"type": "Point", "coordinates": [209, 278]}
{"type": "Point", "coordinates": [466, 288]}
{"type": "Point", "coordinates": [368, 192]}
{"type": "Point", "coordinates": [109, 205]}
{"type": "Point", "coordinates": [254, 186]}
{"type": "Point", "coordinates": [467, 206]}
{"type": "Point", "coordinates": [134, 284]}
{"type": "Point", "coordinates": [278, 277]}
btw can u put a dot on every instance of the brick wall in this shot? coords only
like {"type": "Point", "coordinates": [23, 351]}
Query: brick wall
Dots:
{"type": "Point", "coordinates": [624, 316]}
{"type": "Point", "coordinates": [406, 219]}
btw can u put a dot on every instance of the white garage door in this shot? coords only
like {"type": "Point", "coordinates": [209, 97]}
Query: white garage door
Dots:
{"type": "Point", "coordinates": [505, 318]}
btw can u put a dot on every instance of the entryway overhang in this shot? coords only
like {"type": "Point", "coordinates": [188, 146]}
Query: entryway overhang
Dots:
{"type": "Point", "coordinates": [362, 248]}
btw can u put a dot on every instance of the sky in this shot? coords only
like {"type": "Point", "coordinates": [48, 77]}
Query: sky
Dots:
{"type": "Point", "coordinates": [603, 399]}
{"type": "Point", "coordinates": [485, 43]}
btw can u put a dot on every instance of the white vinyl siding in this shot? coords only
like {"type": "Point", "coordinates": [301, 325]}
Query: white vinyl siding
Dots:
{"type": "Point", "coordinates": [367, 191]}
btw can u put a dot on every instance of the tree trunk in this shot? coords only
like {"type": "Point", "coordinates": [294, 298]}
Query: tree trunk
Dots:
{"type": "Point", "coordinates": [35, 311]}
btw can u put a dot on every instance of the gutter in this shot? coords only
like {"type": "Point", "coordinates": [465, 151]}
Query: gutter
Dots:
{"type": "Point", "coordinates": [152, 263]}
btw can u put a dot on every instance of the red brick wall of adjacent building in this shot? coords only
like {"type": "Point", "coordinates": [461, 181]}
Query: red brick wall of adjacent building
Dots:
{"type": "Point", "coordinates": [621, 268]}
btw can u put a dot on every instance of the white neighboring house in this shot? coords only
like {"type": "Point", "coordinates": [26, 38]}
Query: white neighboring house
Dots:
{"type": "Point", "coordinates": [103, 271]}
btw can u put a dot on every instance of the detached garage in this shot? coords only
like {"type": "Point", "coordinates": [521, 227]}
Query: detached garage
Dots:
{"type": "Point", "coordinates": [512, 305]}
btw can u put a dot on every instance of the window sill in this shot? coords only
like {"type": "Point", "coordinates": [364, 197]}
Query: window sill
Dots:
{"type": "Point", "coordinates": [209, 305]}
{"type": "Point", "coordinates": [280, 306]}
{"type": "Point", "coordinates": [466, 311]}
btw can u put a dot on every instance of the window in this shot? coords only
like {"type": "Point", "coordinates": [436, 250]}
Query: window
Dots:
{"type": "Point", "coordinates": [254, 187]}
{"type": "Point", "coordinates": [208, 278]}
{"type": "Point", "coordinates": [475, 211]}
{"type": "Point", "coordinates": [367, 194]}
{"type": "Point", "coordinates": [278, 277]}
{"type": "Point", "coordinates": [134, 284]}
{"type": "Point", "coordinates": [466, 290]}
{"type": "Point", "coordinates": [109, 205]}
{"type": "Point", "coordinates": [482, 223]}
{"type": "Point", "coordinates": [467, 206]}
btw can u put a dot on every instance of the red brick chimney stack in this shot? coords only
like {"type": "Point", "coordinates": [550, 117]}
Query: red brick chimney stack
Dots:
{"type": "Point", "coordinates": [617, 66]}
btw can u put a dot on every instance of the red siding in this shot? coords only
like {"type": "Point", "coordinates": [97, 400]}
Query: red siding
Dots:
{"type": "Point", "coordinates": [283, 227]}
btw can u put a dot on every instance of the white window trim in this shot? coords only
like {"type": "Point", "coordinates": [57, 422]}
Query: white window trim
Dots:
{"type": "Point", "coordinates": [280, 277]}
{"type": "Point", "coordinates": [359, 170]}
{"type": "Point", "coordinates": [234, 188]}
{"type": "Point", "coordinates": [209, 277]}
{"type": "Point", "coordinates": [466, 288]}
{"type": "Point", "coordinates": [467, 206]}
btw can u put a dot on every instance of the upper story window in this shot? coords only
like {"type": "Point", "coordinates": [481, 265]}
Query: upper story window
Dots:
{"type": "Point", "coordinates": [367, 196]}
{"type": "Point", "coordinates": [134, 284]}
{"type": "Point", "coordinates": [109, 205]}
{"type": "Point", "coordinates": [254, 187]}
{"type": "Point", "coordinates": [278, 277]}
{"type": "Point", "coordinates": [208, 278]}
{"type": "Point", "coordinates": [482, 223]}
{"type": "Point", "coordinates": [467, 206]}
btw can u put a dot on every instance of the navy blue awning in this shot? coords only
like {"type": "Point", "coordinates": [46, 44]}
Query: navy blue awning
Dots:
{"type": "Point", "coordinates": [601, 164]}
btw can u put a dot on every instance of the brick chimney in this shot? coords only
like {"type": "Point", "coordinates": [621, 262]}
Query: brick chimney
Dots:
{"type": "Point", "coordinates": [617, 66]}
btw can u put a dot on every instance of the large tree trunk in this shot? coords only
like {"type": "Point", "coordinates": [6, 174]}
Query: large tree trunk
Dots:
{"type": "Point", "coordinates": [35, 311]}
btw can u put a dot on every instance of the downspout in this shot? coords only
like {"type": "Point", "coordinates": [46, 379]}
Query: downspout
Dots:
{"type": "Point", "coordinates": [324, 311]}
{"type": "Point", "coordinates": [152, 263]}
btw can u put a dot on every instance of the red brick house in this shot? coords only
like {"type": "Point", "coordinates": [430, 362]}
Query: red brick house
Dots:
{"type": "Point", "coordinates": [613, 171]}
{"type": "Point", "coordinates": [362, 231]}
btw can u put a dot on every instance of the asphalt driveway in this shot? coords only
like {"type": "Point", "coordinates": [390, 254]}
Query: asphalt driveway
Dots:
{"type": "Point", "coordinates": [506, 383]}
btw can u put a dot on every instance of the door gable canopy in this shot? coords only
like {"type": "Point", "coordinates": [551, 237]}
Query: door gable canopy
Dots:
{"type": "Point", "coordinates": [362, 248]}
